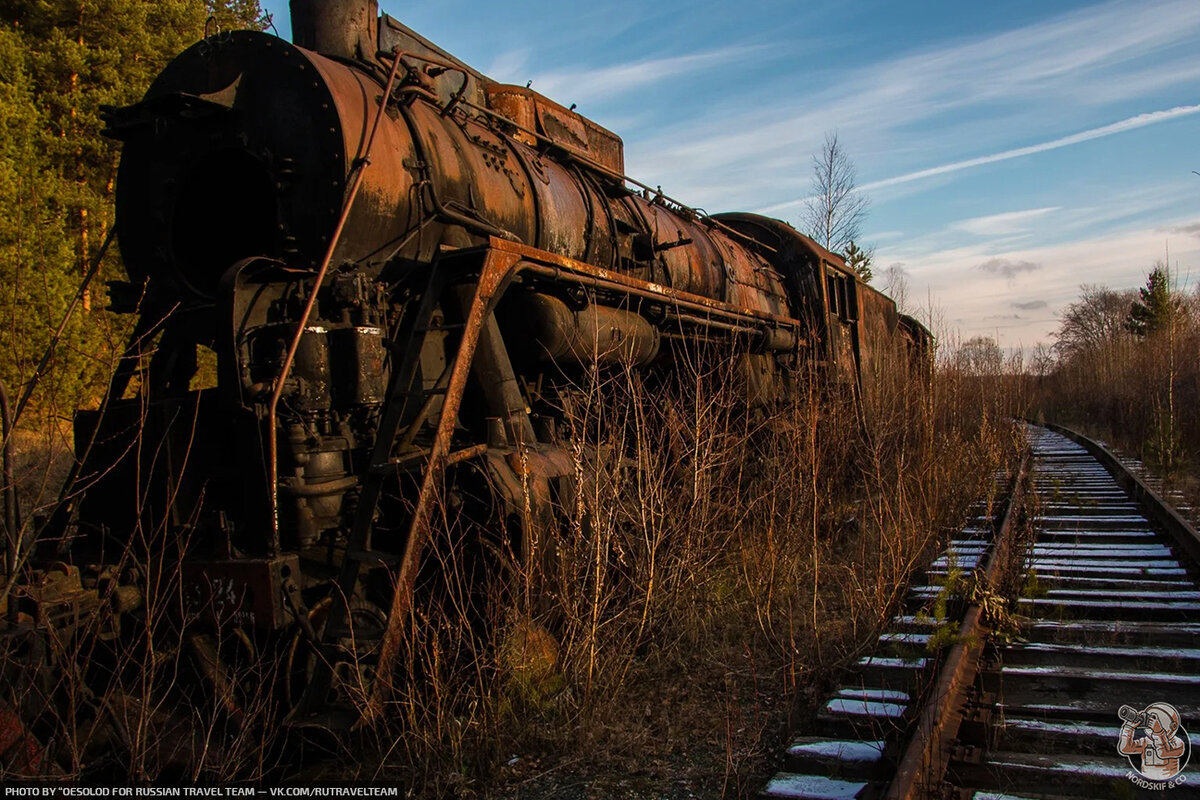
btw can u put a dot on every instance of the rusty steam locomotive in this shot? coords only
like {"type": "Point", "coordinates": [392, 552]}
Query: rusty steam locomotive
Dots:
{"type": "Point", "coordinates": [393, 261]}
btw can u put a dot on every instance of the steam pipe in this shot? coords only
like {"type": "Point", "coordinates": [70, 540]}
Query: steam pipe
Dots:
{"type": "Point", "coordinates": [342, 28]}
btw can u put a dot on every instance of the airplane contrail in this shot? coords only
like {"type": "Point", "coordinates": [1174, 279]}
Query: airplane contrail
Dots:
{"type": "Point", "coordinates": [1132, 123]}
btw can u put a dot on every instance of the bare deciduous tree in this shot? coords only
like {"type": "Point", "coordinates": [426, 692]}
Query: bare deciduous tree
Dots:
{"type": "Point", "coordinates": [1095, 319]}
{"type": "Point", "coordinates": [895, 286]}
{"type": "Point", "coordinates": [981, 355]}
{"type": "Point", "coordinates": [834, 214]}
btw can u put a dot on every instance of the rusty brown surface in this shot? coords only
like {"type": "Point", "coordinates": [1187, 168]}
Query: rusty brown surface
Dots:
{"type": "Point", "coordinates": [361, 162]}
{"type": "Point", "coordinates": [345, 28]}
{"type": "Point", "coordinates": [566, 268]}
{"type": "Point", "coordinates": [501, 263]}
{"type": "Point", "coordinates": [564, 127]}
{"type": "Point", "coordinates": [440, 178]}
{"type": "Point", "coordinates": [266, 144]}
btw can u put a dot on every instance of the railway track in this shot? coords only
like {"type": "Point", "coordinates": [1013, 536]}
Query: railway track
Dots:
{"type": "Point", "coordinates": [1107, 598]}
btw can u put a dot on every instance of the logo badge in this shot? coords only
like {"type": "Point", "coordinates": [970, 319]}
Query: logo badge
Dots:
{"type": "Point", "coordinates": [1155, 743]}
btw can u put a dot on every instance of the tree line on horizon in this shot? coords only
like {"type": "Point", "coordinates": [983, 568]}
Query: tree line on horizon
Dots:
{"type": "Point", "coordinates": [1125, 367]}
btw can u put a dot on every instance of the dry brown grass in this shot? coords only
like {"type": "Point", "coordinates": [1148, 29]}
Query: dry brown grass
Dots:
{"type": "Point", "coordinates": [717, 568]}
{"type": "Point", "coordinates": [713, 569]}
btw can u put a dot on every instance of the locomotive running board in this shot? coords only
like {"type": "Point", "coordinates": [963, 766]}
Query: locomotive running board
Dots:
{"type": "Point", "coordinates": [569, 270]}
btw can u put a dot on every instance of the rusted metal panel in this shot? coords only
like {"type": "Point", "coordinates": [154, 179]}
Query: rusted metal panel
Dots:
{"type": "Point", "coordinates": [594, 332]}
{"type": "Point", "coordinates": [562, 126]}
{"type": "Point", "coordinates": [692, 258]}
{"type": "Point", "coordinates": [440, 177]}
{"type": "Point", "coordinates": [568, 269]}
{"type": "Point", "coordinates": [243, 592]}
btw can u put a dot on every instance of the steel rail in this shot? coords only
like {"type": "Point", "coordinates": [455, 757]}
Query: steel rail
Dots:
{"type": "Point", "coordinates": [1112, 621]}
{"type": "Point", "coordinates": [923, 765]}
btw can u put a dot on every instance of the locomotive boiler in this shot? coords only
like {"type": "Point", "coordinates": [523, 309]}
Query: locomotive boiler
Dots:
{"type": "Point", "coordinates": [356, 265]}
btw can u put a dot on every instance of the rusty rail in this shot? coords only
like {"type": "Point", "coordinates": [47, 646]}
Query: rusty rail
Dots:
{"type": "Point", "coordinates": [1112, 619]}
{"type": "Point", "coordinates": [922, 766]}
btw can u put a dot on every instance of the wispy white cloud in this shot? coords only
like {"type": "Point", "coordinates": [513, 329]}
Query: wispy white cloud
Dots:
{"type": "Point", "coordinates": [1120, 210]}
{"type": "Point", "coordinates": [509, 66]}
{"type": "Point", "coordinates": [1106, 216]}
{"type": "Point", "coordinates": [593, 85]}
{"type": "Point", "coordinates": [951, 278]}
{"type": "Point", "coordinates": [943, 170]}
{"type": "Point", "coordinates": [1128, 124]}
{"type": "Point", "coordinates": [1007, 223]}
{"type": "Point", "coordinates": [1132, 84]}
{"type": "Point", "coordinates": [918, 105]}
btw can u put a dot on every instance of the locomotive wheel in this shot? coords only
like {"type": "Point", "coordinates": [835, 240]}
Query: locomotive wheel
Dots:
{"type": "Point", "coordinates": [353, 655]}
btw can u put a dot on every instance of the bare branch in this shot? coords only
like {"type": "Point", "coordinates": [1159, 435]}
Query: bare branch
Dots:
{"type": "Point", "coordinates": [835, 213]}
{"type": "Point", "coordinates": [1096, 318]}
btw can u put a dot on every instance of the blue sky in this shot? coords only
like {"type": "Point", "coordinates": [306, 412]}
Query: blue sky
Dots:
{"type": "Point", "coordinates": [1012, 151]}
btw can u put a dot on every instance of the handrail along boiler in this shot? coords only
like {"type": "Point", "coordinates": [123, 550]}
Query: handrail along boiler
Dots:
{"type": "Point", "coordinates": [381, 317]}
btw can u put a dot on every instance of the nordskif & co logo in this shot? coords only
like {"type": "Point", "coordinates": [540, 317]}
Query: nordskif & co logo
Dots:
{"type": "Point", "coordinates": [1156, 745]}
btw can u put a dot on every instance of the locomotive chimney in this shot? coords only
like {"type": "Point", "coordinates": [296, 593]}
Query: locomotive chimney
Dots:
{"type": "Point", "coordinates": [342, 28]}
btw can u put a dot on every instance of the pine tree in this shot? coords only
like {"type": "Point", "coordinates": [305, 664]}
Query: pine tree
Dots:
{"type": "Point", "coordinates": [1156, 306]}
{"type": "Point", "coordinates": [59, 63]}
{"type": "Point", "coordinates": [859, 260]}
{"type": "Point", "coordinates": [36, 257]}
